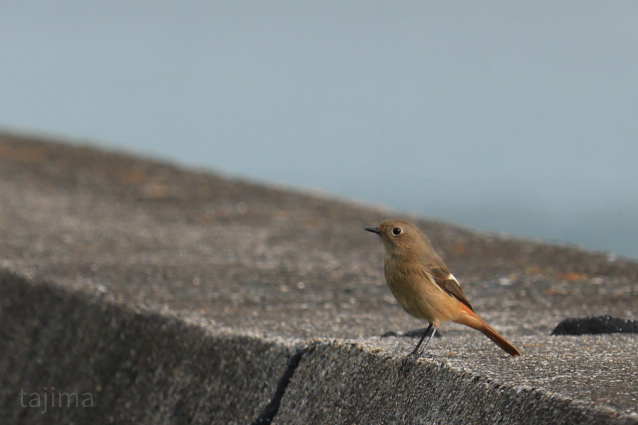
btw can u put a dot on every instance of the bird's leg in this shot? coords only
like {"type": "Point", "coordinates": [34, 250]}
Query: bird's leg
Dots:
{"type": "Point", "coordinates": [426, 342]}
{"type": "Point", "coordinates": [415, 353]}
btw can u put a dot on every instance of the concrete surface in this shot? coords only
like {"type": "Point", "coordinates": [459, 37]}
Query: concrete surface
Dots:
{"type": "Point", "coordinates": [178, 296]}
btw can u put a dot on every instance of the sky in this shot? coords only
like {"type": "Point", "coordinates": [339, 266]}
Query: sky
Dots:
{"type": "Point", "coordinates": [514, 117]}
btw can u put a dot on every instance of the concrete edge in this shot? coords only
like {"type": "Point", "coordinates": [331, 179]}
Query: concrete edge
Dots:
{"type": "Point", "coordinates": [137, 365]}
{"type": "Point", "coordinates": [140, 364]}
{"type": "Point", "coordinates": [359, 377]}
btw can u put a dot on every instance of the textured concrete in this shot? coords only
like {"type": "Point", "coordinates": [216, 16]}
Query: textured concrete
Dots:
{"type": "Point", "coordinates": [175, 296]}
{"type": "Point", "coordinates": [140, 367]}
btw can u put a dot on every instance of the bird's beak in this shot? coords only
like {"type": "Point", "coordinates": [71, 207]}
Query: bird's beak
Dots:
{"type": "Point", "coordinates": [374, 230]}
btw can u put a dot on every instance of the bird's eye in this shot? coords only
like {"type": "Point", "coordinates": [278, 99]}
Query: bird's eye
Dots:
{"type": "Point", "coordinates": [397, 231]}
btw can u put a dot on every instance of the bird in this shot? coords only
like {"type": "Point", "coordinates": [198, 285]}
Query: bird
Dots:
{"type": "Point", "coordinates": [422, 283]}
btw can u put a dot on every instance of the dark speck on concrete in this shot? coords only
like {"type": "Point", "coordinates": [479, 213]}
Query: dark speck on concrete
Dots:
{"type": "Point", "coordinates": [596, 325]}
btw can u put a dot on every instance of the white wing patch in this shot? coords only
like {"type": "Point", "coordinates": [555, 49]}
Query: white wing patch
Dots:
{"type": "Point", "coordinates": [451, 277]}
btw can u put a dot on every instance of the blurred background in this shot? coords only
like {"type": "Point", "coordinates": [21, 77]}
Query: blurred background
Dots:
{"type": "Point", "coordinates": [515, 117]}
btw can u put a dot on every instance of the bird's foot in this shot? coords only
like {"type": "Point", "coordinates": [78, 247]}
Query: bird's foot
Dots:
{"type": "Point", "coordinates": [408, 363]}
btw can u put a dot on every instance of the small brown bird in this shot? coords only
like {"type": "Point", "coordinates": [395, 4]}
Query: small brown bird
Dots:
{"type": "Point", "coordinates": [424, 286]}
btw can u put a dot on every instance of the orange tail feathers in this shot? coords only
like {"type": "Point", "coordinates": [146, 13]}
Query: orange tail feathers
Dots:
{"type": "Point", "coordinates": [472, 320]}
{"type": "Point", "coordinates": [499, 340]}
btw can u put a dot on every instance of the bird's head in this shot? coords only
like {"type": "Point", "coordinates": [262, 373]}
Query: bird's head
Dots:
{"type": "Point", "coordinates": [401, 236]}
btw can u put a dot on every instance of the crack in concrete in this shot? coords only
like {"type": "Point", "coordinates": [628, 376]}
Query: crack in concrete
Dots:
{"type": "Point", "coordinates": [270, 411]}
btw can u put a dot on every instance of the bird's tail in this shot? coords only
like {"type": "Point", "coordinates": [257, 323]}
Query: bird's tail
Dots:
{"type": "Point", "coordinates": [472, 320]}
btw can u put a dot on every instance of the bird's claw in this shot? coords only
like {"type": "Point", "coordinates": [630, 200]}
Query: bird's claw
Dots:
{"type": "Point", "coordinates": [407, 364]}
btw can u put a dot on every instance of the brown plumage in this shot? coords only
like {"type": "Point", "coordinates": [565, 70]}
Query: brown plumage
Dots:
{"type": "Point", "coordinates": [423, 285]}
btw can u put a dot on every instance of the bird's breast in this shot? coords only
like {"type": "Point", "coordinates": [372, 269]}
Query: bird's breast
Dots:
{"type": "Point", "coordinates": [415, 290]}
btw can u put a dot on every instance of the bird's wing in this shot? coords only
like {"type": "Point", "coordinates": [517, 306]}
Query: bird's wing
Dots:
{"type": "Point", "coordinates": [449, 284]}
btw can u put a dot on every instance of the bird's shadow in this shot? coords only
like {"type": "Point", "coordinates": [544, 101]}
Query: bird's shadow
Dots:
{"type": "Point", "coordinates": [416, 333]}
